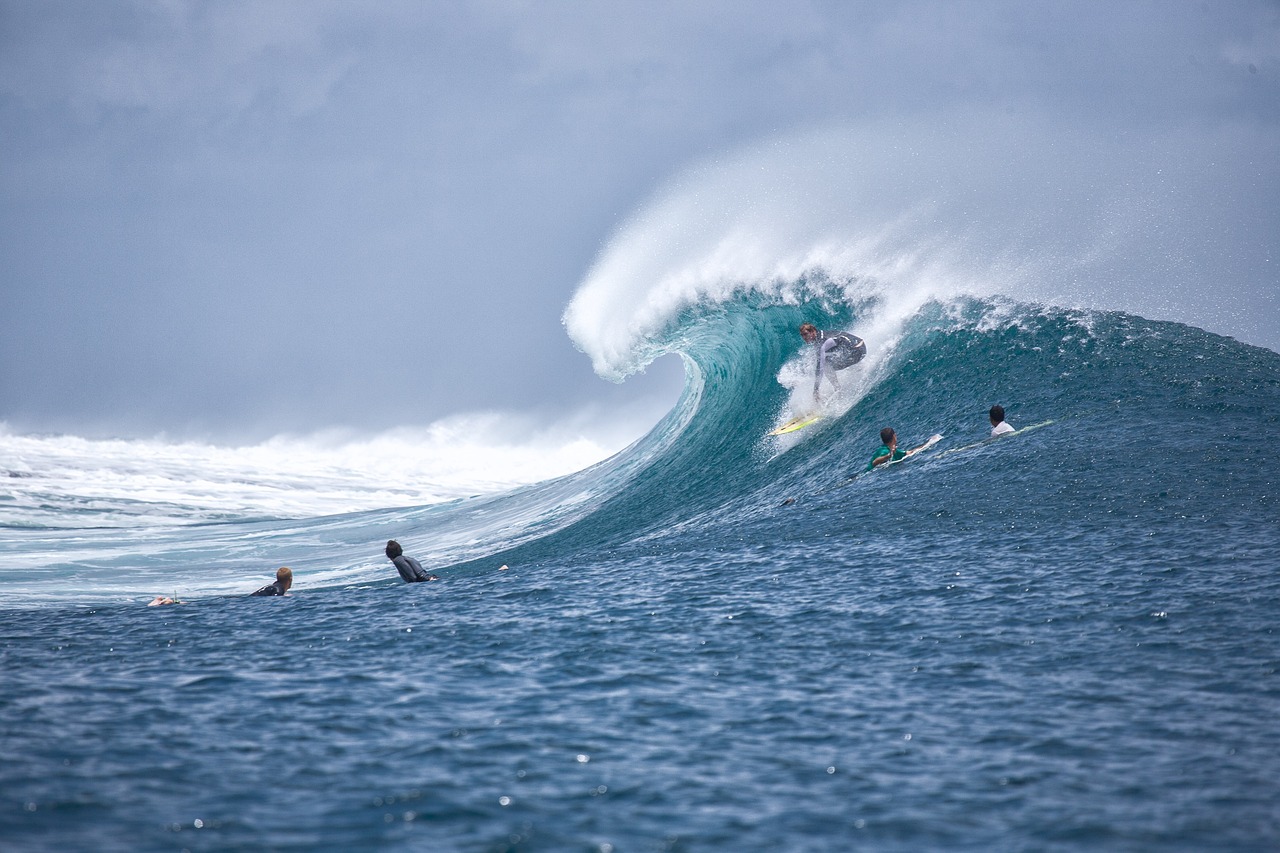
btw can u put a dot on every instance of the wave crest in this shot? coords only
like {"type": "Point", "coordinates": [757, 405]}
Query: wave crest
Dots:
{"type": "Point", "coordinates": [897, 215]}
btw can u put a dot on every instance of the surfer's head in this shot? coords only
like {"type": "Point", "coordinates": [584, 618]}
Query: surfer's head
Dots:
{"type": "Point", "coordinates": [997, 415]}
{"type": "Point", "coordinates": [809, 332]}
{"type": "Point", "coordinates": [887, 437]}
{"type": "Point", "coordinates": [284, 576]}
{"type": "Point", "coordinates": [393, 549]}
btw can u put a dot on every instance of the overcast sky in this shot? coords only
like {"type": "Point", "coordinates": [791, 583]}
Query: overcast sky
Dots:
{"type": "Point", "coordinates": [240, 217]}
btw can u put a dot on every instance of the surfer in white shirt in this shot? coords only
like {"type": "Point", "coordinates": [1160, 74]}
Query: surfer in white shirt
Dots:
{"type": "Point", "coordinates": [999, 426]}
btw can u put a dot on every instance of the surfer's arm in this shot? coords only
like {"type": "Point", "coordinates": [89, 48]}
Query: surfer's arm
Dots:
{"type": "Point", "coordinates": [927, 444]}
{"type": "Point", "coordinates": [823, 348]}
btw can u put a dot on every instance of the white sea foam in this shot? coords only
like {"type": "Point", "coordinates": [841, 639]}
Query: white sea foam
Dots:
{"type": "Point", "coordinates": [902, 213]}
{"type": "Point", "coordinates": [755, 222]}
{"type": "Point", "coordinates": [62, 481]}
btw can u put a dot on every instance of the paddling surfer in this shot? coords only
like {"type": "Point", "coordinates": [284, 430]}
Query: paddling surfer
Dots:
{"type": "Point", "coordinates": [999, 426]}
{"type": "Point", "coordinates": [889, 451]}
{"type": "Point", "coordinates": [409, 568]}
{"type": "Point", "coordinates": [836, 351]}
{"type": "Point", "coordinates": [284, 580]}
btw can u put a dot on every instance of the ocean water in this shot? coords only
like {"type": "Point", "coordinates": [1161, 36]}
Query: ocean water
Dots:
{"type": "Point", "coordinates": [1063, 639]}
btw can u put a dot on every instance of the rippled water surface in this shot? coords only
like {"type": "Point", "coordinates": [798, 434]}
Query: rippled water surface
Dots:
{"type": "Point", "coordinates": [778, 698]}
{"type": "Point", "coordinates": [1065, 639]}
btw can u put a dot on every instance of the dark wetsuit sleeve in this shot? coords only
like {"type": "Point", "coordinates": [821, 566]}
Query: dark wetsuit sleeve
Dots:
{"type": "Point", "coordinates": [270, 589]}
{"type": "Point", "coordinates": [419, 572]}
{"type": "Point", "coordinates": [405, 570]}
{"type": "Point", "coordinates": [410, 569]}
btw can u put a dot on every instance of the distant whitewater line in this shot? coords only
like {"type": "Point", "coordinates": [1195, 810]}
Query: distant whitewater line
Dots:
{"type": "Point", "coordinates": [56, 480]}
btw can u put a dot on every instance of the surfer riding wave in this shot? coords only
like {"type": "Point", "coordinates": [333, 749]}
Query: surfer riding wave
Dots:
{"type": "Point", "coordinates": [836, 351]}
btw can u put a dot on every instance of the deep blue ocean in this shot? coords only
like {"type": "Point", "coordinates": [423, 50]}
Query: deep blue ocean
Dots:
{"type": "Point", "coordinates": [1063, 639]}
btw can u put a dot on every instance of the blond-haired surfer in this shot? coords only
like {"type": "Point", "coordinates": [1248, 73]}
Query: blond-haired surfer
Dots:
{"type": "Point", "coordinates": [284, 580]}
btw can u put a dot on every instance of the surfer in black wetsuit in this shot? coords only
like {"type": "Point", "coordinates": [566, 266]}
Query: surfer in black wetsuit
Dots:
{"type": "Point", "coordinates": [836, 351]}
{"type": "Point", "coordinates": [284, 580]}
{"type": "Point", "coordinates": [409, 568]}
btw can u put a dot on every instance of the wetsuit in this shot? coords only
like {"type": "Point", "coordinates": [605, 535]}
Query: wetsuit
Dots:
{"type": "Point", "coordinates": [410, 569]}
{"type": "Point", "coordinates": [836, 351]}
{"type": "Point", "coordinates": [884, 451]}
{"type": "Point", "coordinates": [271, 589]}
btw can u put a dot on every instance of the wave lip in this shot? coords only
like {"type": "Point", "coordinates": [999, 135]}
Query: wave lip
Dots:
{"type": "Point", "coordinates": [901, 213]}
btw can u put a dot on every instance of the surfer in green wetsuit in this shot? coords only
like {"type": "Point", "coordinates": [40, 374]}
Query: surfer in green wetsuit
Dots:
{"type": "Point", "coordinates": [889, 451]}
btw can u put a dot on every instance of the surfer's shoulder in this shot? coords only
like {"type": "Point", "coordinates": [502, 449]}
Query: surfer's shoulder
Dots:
{"type": "Point", "coordinates": [284, 580]}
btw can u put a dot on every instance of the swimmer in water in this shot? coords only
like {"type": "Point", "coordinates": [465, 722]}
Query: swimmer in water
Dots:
{"type": "Point", "coordinates": [889, 451]}
{"type": "Point", "coordinates": [409, 568]}
{"type": "Point", "coordinates": [999, 426]}
{"type": "Point", "coordinates": [284, 580]}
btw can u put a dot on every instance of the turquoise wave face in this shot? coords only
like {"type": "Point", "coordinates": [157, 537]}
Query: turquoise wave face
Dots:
{"type": "Point", "coordinates": [1137, 417]}
{"type": "Point", "coordinates": [1062, 636]}
{"type": "Point", "coordinates": [1144, 426]}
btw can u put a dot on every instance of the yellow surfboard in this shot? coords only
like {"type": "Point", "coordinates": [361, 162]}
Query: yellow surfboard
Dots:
{"type": "Point", "coordinates": [796, 423]}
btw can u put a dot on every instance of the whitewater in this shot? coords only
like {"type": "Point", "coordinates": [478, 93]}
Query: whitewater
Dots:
{"type": "Point", "coordinates": [705, 638]}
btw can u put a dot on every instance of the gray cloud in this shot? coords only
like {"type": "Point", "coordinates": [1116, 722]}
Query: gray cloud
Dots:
{"type": "Point", "coordinates": [243, 217]}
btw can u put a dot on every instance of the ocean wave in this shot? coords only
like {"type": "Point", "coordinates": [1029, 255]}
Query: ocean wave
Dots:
{"type": "Point", "coordinates": [1108, 382]}
{"type": "Point", "coordinates": [891, 216]}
